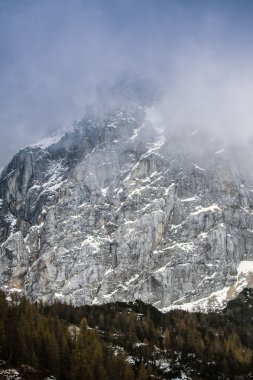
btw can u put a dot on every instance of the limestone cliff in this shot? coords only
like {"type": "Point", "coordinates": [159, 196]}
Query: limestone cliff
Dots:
{"type": "Point", "coordinates": [115, 210]}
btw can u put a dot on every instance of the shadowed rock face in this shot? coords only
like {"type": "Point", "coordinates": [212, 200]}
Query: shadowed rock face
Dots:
{"type": "Point", "coordinates": [114, 210]}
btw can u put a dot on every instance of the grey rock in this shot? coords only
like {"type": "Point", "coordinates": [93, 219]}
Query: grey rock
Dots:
{"type": "Point", "coordinates": [115, 210]}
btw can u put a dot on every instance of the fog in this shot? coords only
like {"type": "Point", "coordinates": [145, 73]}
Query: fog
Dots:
{"type": "Point", "coordinates": [192, 59]}
{"type": "Point", "coordinates": [211, 93]}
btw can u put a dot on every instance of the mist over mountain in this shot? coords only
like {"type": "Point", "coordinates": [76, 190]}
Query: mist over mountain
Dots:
{"type": "Point", "coordinates": [58, 58]}
{"type": "Point", "coordinates": [126, 189]}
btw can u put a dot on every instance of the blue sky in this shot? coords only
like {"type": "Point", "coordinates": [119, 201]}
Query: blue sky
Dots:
{"type": "Point", "coordinates": [55, 54]}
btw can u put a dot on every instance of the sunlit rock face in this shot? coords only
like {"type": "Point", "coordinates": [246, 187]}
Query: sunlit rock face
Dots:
{"type": "Point", "coordinates": [114, 209]}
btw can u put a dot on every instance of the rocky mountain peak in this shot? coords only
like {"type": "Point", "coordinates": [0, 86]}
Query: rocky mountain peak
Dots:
{"type": "Point", "coordinates": [114, 209]}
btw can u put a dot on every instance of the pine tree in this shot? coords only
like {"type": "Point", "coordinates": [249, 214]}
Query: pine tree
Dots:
{"type": "Point", "coordinates": [129, 373]}
{"type": "Point", "coordinates": [166, 339]}
{"type": "Point", "coordinates": [80, 366]}
{"type": "Point", "coordinates": [142, 374]}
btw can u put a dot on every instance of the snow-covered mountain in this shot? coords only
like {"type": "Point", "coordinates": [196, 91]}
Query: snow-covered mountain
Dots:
{"type": "Point", "coordinates": [114, 209]}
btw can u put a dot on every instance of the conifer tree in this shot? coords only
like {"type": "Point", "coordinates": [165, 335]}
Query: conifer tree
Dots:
{"type": "Point", "coordinates": [142, 374]}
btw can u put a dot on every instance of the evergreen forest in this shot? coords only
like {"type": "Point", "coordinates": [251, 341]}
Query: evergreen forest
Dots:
{"type": "Point", "coordinates": [125, 341]}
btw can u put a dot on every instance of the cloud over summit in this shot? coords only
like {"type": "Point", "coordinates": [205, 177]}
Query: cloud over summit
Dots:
{"type": "Point", "coordinates": [57, 57]}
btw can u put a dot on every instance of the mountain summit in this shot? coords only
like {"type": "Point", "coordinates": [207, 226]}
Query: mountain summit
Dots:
{"type": "Point", "coordinates": [114, 209]}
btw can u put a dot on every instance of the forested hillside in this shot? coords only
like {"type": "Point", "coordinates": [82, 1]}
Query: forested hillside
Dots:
{"type": "Point", "coordinates": [124, 341]}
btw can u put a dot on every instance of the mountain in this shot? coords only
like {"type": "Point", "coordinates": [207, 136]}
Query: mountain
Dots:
{"type": "Point", "coordinates": [116, 209]}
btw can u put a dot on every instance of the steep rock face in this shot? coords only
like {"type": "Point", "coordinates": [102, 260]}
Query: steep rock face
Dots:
{"type": "Point", "coordinates": [114, 210]}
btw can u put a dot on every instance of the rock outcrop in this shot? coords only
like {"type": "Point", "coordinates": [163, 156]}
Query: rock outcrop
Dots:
{"type": "Point", "coordinates": [115, 210]}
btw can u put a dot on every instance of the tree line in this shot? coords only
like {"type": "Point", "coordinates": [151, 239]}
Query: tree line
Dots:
{"type": "Point", "coordinates": [126, 341]}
